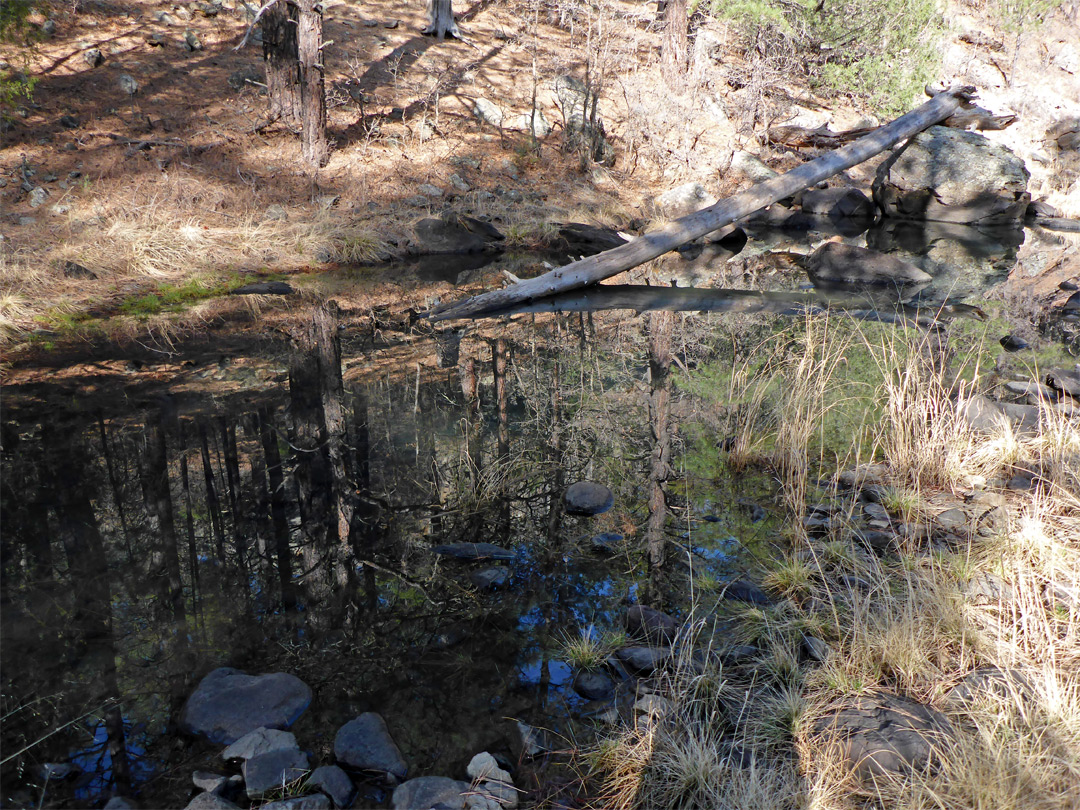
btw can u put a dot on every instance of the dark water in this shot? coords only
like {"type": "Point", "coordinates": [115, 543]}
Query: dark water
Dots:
{"type": "Point", "coordinates": [172, 513]}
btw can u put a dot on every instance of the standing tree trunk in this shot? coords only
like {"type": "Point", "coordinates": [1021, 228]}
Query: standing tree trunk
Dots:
{"type": "Point", "coordinates": [674, 53]}
{"type": "Point", "coordinates": [441, 19]}
{"type": "Point", "coordinates": [280, 51]}
{"type": "Point", "coordinates": [315, 146]}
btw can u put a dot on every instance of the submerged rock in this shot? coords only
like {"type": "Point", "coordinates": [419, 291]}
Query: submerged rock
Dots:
{"type": "Point", "coordinates": [594, 685]}
{"type": "Point", "coordinates": [836, 262]}
{"type": "Point", "coordinates": [837, 203]}
{"type": "Point", "coordinates": [490, 578]}
{"type": "Point", "coordinates": [365, 743]}
{"type": "Point", "coordinates": [229, 703]}
{"type": "Point", "coordinates": [742, 590]}
{"type": "Point", "coordinates": [644, 659]}
{"type": "Point", "coordinates": [588, 498]}
{"type": "Point", "coordinates": [651, 624]}
{"type": "Point", "coordinates": [606, 543]}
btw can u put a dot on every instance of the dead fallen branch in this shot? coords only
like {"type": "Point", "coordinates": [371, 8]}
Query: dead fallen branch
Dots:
{"type": "Point", "coordinates": [612, 262]}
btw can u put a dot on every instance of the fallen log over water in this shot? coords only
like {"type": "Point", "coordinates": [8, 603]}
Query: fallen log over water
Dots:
{"type": "Point", "coordinates": [612, 262]}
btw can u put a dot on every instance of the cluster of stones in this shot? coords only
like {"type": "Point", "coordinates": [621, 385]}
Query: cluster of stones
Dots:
{"type": "Point", "coordinates": [250, 715]}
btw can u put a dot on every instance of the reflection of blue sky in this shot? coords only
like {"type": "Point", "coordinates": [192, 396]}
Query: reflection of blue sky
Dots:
{"type": "Point", "coordinates": [530, 672]}
{"type": "Point", "coordinates": [95, 762]}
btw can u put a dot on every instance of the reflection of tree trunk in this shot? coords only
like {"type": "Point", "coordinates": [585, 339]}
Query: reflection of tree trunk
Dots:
{"type": "Point", "coordinates": [106, 452]}
{"type": "Point", "coordinates": [213, 506]}
{"type": "Point", "coordinates": [232, 486]}
{"type": "Point", "coordinates": [116, 744]}
{"type": "Point", "coordinates": [316, 148]}
{"type": "Point", "coordinates": [259, 496]}
{"type": "Point", "coordinates": [189, 520]}
{"type": "Point", "coordinates": [279, 32]}
{"type": "Point", "coordinates": [499, 354]}
{"type": "Point", "coordinates": [278, 508]}
{"type": "Point", "coordinates": [661, 325]}
{"type": "Point", "coordinates": [166, 557]}
{"type": "Point", "coordinates": [559, 483]}
{"type": "Point", "coordinates": [470, 388]}
{"type": "Point", "coordinates": [328, 343]}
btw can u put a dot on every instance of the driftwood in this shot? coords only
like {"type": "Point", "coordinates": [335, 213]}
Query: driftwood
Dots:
{"type": "Point", "coordinates": [612, 262]}
{"type": "Point", "coordinates": [820, 138]}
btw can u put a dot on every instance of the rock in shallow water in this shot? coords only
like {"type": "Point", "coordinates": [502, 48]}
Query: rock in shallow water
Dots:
{"type": "Point", "coordinates": [229, 703]}
{"type": "Point", "coordinates": [490, 578]}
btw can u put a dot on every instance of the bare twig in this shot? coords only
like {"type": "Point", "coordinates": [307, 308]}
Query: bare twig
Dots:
{"type": "Point", "coordinates": [254, 22]}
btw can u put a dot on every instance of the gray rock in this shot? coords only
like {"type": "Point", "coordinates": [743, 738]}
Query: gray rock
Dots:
{"type": "Point", "coordinates": [474, 551]}
{"type": "Point", "coordinates": [365, 743]}
{"type": "Point", "coordinates": [815, 649]}
{"type": "Point", "coordinates": [752, 167]}
{"type": "Point", "coordinates": [488, 112]}
{"type": "Point", "coordinates": [118, 803]}
{"type": "Point", "coordinates": [739, 654]}
{"type": "Point", "coordinates": [490, 578]}
{"type": "Point", "coordinates": [48, 28]}
{"type": "Point", "coordinates": [259, 741]}
{"type": "Point", "coordinates": [430, 791]}
{"type": "Point", "coordinates": [210, 782]}
{"type": "Point", "coordinates": [69, 121]}
{"type": "Point", "coordinates": [594, 685]}
{"type": "Point", "coordinates": [534, 741]}
{"type": "Point", "coordinates": [580, 239]}
{"type": "Point", "coordinates": [459, 184]}
{"type": "Point", "coordinates": [465, 162]}
{"type": "Point", "coordinates": [685, 199]}
{"type": "Point", "coordinates": [428, 190]}
{"type": "Point", "coordinates": [94, 57]}
{"type": "Point", "coordinates": [455, 234]}
{"type": "Point", "coordinates": [192, 42]}
{"type": "Point", "coordinates": [314, 801]}
{"type": "Point", "coordinates": [335, 783]}
{"type": "Point", "coordinates": [991, 683]}
{"type": "Point", "coordinates": [588, 498]}
{"type": "Point", "coordinates": [742, 590]}
{"type": "Point", "coordinates": [953, 519]}
{"type": "Point", "coordinates": [837, 203]}
{"type": "Point", "coordinates": [228, 704]}
{"type": "Point", "coordinates": [38, 196]}
{"type": "Point", "coordinates": [644, 659]}
{"type": "Point", "coordinates": [653, 705]}
{"type": "Point", "coordinates": [273, 770]}
{"type": "Point", "coordinates": [862, 476]}
{"type": "Point", "coordinates": [848, 264]}
{"type": "Point", "coordinates": [534, 123]}
{"type": "Point", "coordinates": [881, 734]}
{"type": "Point", "coordinates": [953, 175]}
{"type": "Point", "coordinates": [651, 624]}
{"type": "Point", "coordinates": [210, 801]}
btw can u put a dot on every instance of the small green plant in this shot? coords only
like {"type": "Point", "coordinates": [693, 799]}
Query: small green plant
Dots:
{"type": "Point", "coordinates": [905, 504]}
{"type": "Point", "coordinates": [790, 578]}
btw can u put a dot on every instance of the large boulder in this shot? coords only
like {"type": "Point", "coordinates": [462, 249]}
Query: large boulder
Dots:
{"type": "Point", "coordinates": [879, 734]}
{"type": "Point", "coordinates": [835, 262]}
{"type": "Point", "coordinates": [455, 234]}
{"type": "Point", "coordinates": [365, 743]}
{"type": "Point", "coordinates": [228, 703]}
{"type": "Point", "coordinates": [953, 175]}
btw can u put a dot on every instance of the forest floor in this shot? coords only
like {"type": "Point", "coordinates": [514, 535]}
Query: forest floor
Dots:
{"type": "Point", "coordinates": [182, 191]}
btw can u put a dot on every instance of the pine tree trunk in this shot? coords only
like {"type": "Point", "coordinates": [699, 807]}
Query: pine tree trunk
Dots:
{"type": "Point", "coordinates": [660, 331]}
{"type": "Point", "coordinates": [279, 36]}
{"type": "Point", "coordinates": [316, 148]}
